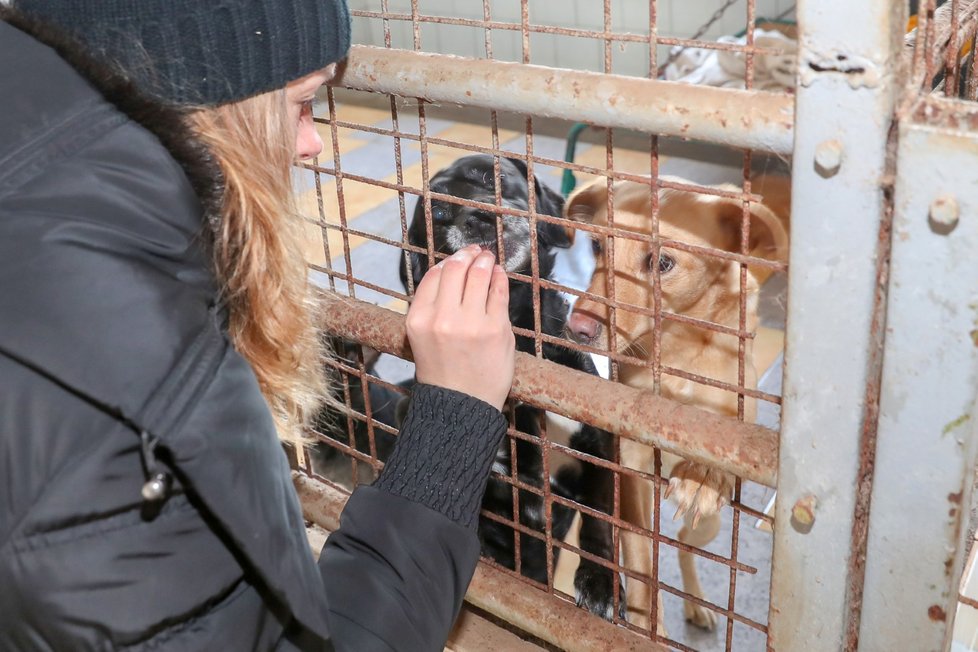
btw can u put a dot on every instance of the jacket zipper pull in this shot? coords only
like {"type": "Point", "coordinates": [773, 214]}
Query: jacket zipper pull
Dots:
{"type": "Point", "coordinates": [158, 481]}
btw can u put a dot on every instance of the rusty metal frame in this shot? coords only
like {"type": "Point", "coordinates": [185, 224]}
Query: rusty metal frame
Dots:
{"type": "Point", "coordinates": [746, 450]}
{"type": "Point", "coordinates": [849, 57]}
{"type": "Point", "coordinates": [738, 118]}
{"type": "Point", "coordinates": [742, 118]}
{"type": "Point", "coordinates": [927, 437]}
{"type": "Point", "coordinates": [845, 449]}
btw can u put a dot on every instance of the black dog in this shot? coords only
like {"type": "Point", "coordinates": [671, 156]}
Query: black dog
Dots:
{"type": "Point", "coordinates": [455, 227]}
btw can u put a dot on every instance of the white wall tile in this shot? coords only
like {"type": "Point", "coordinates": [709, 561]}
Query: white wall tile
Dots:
{"type": "Point", "coordinates": [589, 14]}
{"type": "Point", "coordinates": [507, 45]}
{"type": "Point", "coordinates": [453, 8]}
{"type": "Point", "coordinates": [551, 12]}
{"type": "Point", "coordinates": [503, 10]}
{"type": "Point", "coordinates": [461, 40]}
{"type": "Point", "coordinates": [579, 54]}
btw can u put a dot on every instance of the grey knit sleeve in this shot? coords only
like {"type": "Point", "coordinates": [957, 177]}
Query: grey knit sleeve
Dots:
{"type": "Point", "coordinates": [446, 446]}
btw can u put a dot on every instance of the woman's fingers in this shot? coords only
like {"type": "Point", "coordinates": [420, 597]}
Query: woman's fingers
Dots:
{"type": "Point", "coordinates": [427, 290]}
{"type": "Point", "coordinates": [497, 303]}
{"type": "Point", "coordinates": [462, 339]}
{"type": "Point", "coordinates": [454, 271]}
{"type": "Point", "coordinates": [477, 284]}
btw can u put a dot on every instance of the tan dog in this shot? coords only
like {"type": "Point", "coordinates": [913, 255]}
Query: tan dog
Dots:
{"type": "Point", "coordinates": [694, 285]}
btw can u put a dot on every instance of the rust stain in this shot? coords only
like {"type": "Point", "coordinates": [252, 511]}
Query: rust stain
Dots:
{"type": "Point", "coordinates": [936, 613]}
{"type": "Point", "coordinates": [974, 336]}
{"type": "Point", "coordinates": [955, 498]}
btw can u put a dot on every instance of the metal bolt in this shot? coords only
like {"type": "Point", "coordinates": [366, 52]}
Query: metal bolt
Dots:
{"type": "Point", "coordinates": [803, 512]}
{"type": "Point", "coordinates": [945, 211]}
{"type": "Point", "coordinates": [828, 157]}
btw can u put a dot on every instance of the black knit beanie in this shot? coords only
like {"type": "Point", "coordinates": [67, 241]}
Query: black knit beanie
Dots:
{"type": "Point", "coordinates": [204, 52]}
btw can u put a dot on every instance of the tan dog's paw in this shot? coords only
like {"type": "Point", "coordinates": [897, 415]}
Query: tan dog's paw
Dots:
{"type": "Point", "coordinates": [700, 615]}
{"type": "Point", "coordinates": [699, 490]}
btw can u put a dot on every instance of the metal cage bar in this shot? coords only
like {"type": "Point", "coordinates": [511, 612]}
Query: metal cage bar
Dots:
{"type": "Point", "coordinates": [849, 55]}
{"type": "Point", "coordinates": [739, 118]}
{"type": "Point", "coordinates": [926, 450]}
{"type": "Point", "coordinates": [746, 450]}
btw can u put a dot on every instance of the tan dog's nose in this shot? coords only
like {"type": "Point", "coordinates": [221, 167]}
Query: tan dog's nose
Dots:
{"type": "Point", "coordinates": [583, 328]}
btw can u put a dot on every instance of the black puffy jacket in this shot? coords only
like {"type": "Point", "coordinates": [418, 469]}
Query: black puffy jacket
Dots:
{"type": "Point", "coordinates": [114, 365]}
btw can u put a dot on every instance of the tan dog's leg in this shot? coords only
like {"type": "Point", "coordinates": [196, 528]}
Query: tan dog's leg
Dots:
{"type": "Point", "coordinates": [636, 508]}
{"type": "Point", "coordinates": [705, 531]}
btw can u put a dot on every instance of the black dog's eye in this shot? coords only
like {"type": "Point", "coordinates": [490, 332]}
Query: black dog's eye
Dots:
{"type": "Point", "coordinates": [666, 262]}
{"type": "Point", "coordinates": [439, 213]}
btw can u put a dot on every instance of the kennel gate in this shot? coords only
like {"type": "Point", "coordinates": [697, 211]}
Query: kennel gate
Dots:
{"type": "Point", "coordinates": [874, 462]}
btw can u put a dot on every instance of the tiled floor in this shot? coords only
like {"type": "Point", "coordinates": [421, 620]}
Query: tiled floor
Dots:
{"type": "Point", "coordinates": [376, 210]}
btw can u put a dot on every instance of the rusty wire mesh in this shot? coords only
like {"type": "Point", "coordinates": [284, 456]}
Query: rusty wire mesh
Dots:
{"type": "Point", "coordinates": [352, 444]}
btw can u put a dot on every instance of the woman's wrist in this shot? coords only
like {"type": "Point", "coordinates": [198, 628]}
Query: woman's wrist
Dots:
{"type": "Point", "coordinates": [444, 451]}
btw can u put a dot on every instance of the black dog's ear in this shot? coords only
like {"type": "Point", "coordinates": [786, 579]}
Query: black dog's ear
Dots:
{"type": "Point", "coordinates": [548, 202]}
{"type": "Point", "coordinates": [551, 203]}
{"type": "Point", "coordinates": [520, 165]}
{"type": "Point", "coordinates": [417, 236]}
{"type": "Point", "coordinates": [419, 266]}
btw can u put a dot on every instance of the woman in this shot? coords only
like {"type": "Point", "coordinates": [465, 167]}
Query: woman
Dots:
{"type": "Point", "coordinates": [153, 307]}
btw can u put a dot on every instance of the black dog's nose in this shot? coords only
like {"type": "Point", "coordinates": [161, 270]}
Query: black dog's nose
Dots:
{"type": "Point", "coordinates": [480, 217]}
{"type": "Point", "coordinates": [481, 225]}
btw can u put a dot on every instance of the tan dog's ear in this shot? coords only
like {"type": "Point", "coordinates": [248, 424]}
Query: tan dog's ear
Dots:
{"type": "Point", "coordinates": [767, 239]}
{"type": "Point", "coordinates": [775, 192]}
{"type": "Point", "coordinates": [587, 201]}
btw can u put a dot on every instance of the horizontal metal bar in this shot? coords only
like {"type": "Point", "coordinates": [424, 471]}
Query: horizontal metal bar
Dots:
{"type": "Point", "coordinates": [554, 620]}
{"type": "Point", "coordinates": [942, 112]}
{"type": "Point", "coordinates": [474, 633]}
{"type": "Point", "coordinates": [746, 450]}
{"type": "Point", "coordinates": [749, 119]}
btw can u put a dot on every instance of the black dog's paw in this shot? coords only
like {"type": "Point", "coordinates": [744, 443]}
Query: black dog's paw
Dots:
{"type": "Point", "coordinates": [594, 585]}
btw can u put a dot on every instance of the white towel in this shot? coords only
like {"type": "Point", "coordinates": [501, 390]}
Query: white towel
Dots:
{"type": "Point", "coordinates": [725, 68]}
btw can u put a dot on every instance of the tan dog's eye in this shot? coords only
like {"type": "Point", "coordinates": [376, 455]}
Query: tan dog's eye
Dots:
{"type": "Point", "coordinates": [666, 262]}
{"type": "Point", "coordinates": [595, 246]}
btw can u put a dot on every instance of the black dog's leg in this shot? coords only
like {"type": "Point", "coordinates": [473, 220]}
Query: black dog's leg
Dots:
{"type": "Point", "coordinates": [594, 582]}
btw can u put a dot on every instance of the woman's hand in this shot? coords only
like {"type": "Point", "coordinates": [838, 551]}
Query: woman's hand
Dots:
{"type": "Point", "coordinates": [459, 330]}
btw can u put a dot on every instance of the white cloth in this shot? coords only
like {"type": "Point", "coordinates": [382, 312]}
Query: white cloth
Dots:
{"type": "Point", "coordinates": [772, 72]}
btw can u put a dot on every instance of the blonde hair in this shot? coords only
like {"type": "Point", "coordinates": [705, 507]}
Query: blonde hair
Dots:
{"type": "Point", "coordinates": [258, 257]}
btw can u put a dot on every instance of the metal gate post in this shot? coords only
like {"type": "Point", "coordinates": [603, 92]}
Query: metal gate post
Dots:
{"type": "Point", "coordinates": [925, 456]}
{"type": "Point", "coordinates": [847, 90]}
